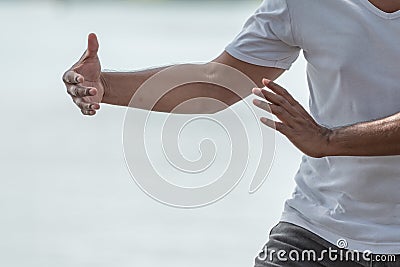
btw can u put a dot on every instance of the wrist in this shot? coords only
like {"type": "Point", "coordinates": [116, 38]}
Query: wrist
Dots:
{"type": "Point", "coordinates": [106, 88]}
{"type": "Point", "coordinates": [334, 143]}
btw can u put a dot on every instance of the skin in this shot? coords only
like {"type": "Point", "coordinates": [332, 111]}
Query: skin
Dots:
{"type": "Point", "coordinates": [388, 6]}
{"type": "Point", "coordinates": [89, 87]}
{"type": "Point", "coordinates": [375, 138]}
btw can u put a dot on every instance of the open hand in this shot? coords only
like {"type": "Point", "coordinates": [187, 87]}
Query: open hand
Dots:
{"type": "Point", "coordinates": [83, 79]}
{"type": "Point", "coordinates": [295, 122]}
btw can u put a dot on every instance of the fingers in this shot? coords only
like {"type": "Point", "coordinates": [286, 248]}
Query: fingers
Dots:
{"type": "Point", "coordinates": [258, 92]}
{"type": "Point", "coordinates": [281, 113]}
{"type": "Point", "coordinates": [93, 45]}
{"type": "Point", "coordinates": [86, 107]}
{"type": "Point", "coordinates": [83, 105]}
{"type": "Point", "coordinates": [92, 48]}
{"type": "Point", "coordinates": [280, 107]}
{"type": "Point", "coordinates": [277, 100]}
{"type": "Point", "coordinates": [81, 91]}
{"type": "Point", "coordinates": [288, 97]}
{"type": "Point", "coordinates": [72, 77]}
{"type": "Point", "coordinates": [280, 91]}
{"type": "Point", "coordinates": [280, 127]}
{"type": "Point", "coordinates": [88, 112]}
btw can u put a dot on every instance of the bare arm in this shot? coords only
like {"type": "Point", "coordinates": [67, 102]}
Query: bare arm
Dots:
{"type": "Point", "coordinates": [375, 138]}
{"type": "Point", "coordinates": [120, 87]}
{"type": "Point", "coordinates": [89, 87]}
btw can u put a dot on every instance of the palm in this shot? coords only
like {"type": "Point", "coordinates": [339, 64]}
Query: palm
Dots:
{"type": "Point", "coordinates": [90, 69]}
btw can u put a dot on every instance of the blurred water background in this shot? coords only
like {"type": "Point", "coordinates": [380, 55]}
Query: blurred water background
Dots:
{"type": "Point", "coordinates": [66, 196]}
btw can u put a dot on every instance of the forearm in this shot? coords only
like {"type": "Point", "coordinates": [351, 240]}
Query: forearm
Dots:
{"type": "Point", "coordinates": [119, 87]}
{"type": "Point", "coordinates": [376, 138]}
{"type": "Point", "coordinates": [194, 97]}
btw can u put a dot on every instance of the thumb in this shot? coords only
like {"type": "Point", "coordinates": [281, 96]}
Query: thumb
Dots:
{"type": "Point", "coordinates": [93, 45]}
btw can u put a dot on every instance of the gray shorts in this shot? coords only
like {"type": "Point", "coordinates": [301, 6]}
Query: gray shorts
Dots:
{"type": "Point", "coordinates": [293, 246]}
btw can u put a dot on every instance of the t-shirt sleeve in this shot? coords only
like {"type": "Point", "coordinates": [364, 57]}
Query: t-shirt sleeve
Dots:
{"type": "Point", "coordinates": [267, 38]}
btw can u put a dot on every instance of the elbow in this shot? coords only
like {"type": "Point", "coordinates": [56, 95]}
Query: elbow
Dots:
{"type": "Point", "coordinates": [218, 103]}
{"type": "Point", "coordinates": [222, 88]}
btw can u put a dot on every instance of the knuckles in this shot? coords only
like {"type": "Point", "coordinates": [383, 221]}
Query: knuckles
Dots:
{"type": "Point", "coordinates": [277, 110]}
{"type": "Point", "coordinates": [281, 101]}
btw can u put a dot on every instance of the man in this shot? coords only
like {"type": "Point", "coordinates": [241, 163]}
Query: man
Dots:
{"type": "Point", "coordinates": [348, 183]}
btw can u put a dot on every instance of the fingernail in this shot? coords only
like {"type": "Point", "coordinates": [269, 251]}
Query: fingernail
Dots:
{"type": "Point", "coordinates": [92, 91]}
{"type": "Point", "coordinates": [256, 91]}
{"type": "Point", "coordinates": [267, 81]}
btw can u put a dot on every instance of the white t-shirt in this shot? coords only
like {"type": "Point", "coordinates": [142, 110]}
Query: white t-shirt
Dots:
{"type": "Point", "coordinates": [353, 54]}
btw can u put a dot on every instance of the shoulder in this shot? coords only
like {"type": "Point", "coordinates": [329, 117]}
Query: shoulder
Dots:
{"type": "Point", "coordinates": [288, 6]}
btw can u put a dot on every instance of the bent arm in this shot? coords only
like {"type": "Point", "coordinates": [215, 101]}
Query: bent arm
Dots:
{"type": "Point", "coordinates": [120, 87]}
{"type": "Point", "coordinates": [375, 138]}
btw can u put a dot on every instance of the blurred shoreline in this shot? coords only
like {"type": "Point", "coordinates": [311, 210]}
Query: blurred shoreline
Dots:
{"type": "Point", "coordinates": [66, 196]}
{"type": "Point", "coordinates": [141, 2]}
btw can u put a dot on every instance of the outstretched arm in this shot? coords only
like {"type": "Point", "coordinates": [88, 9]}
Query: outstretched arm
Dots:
{"type": "Point", "coordinates": [375, 138]}
{"type": "Point", "coordinates": [120, 87]}
{"type": "Point", "coordinates": [89, 87]}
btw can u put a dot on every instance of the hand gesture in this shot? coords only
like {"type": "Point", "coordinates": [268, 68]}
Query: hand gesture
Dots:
{"type": "Point", "coordinates": [83, 80]}
{"type": "Point", "coordinates": [295, 122]}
